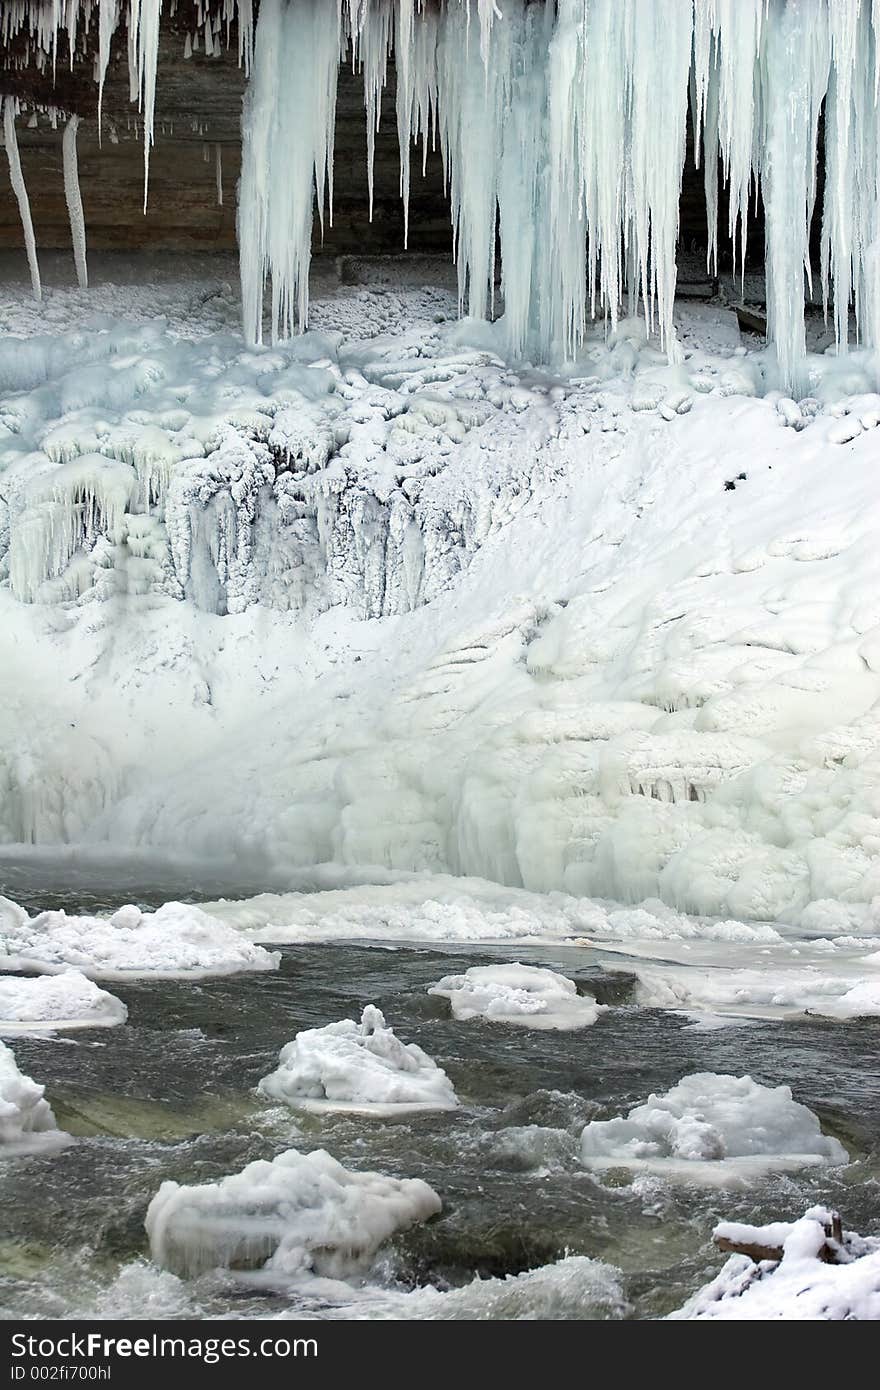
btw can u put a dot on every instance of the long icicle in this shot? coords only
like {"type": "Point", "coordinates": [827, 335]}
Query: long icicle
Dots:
{"type": "Point", "coordinates": [74, 201]}
{"type": "Point", "coordinates": [16, 178]}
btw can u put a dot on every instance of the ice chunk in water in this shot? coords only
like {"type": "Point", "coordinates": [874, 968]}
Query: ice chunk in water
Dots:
{"type": "Point", "coordinates": [298, 1214]}
{"type": "Point", "coordinates": [358, 1066]}
{"type": "Point", "coordinates": [523, 994]}
{"type": "Point", "coordinates": [712, 1127]}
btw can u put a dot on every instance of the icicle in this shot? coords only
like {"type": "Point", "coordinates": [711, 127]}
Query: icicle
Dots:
{"type": "Point", "coordinates": [143, 54]}
{"type": "Point", "coordinates": [107, 21]}
{"type": "Point", "coordinates": [287, 157]}
{"type": "Point", "coordinates": [16, 178]}
{"type": "Point", "coordinates": [218, 170]}
{"type": "Point", "coordinates": [372, 44]}
{"type": "Point", "coordinates": [403, 48]}
{"type": "Point", "coordinates": [795, 78]}
{"type": "Point", "coordinates": [74, 201]}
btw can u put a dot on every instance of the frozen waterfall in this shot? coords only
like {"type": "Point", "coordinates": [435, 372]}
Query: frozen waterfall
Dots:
{"type": "Point", "coordinates": [563, 129]}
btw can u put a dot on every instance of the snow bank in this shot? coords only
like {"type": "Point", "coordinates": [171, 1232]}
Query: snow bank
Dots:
{"type": "Point", "coordinates": [712, 1128]}
{"type": "Point", "coordinates": [176, 940]}
{"type": "Point", "coordinates": [47, 1002]}
{"type": "Point", "coordinates": [358, 1067]}
{"type": "Point", "coordinates": [26, 1119]}
{"type": "Point", "coordinates": [800, 1286]}
{"type": "Point", "coordinates": [522, 994]}
{"type": "Point", "coordinates": [299, 1213]}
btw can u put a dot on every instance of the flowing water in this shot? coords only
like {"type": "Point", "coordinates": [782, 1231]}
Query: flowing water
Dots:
{"type": "Point", "coordinates": [171, 1095]}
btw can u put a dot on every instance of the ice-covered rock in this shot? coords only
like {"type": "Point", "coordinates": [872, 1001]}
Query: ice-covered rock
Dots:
{"type": "Point", "coordinates": [358, 1067]}
{"type": "Point", "coordinates": [801, 1286]}
{"type": "Point", "coordinates": [176, 940]}
{"type": "Point", "coordinates": [712, 1128]}
{"type": "Point", "coordinates": [298, 1214]}
{"type": "Point", "coordinates": [521, 994]}
{"type": "Point", "coordinates": [47, 1002]}
{"type": "Point", "coordinates": [26, 1118]}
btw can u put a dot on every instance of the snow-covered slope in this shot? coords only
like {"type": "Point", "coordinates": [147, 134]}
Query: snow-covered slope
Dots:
{"type": "Point", "coordinates": [376, 599]}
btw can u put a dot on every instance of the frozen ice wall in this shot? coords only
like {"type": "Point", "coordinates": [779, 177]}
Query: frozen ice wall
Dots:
{"type": "Point", "coordinates": [563, 132]}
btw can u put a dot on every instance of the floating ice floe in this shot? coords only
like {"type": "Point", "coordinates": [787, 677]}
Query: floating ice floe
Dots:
{"type": "Point", "coordinates": [26, 1118]}
{"type": "Point", "coordinates": [298, 1214]}
{"type": "Point", "coordinates": [712, 1128]}
{"type": "Point", "coordinates": [359, 1067]}
{"type": "Point", "coordinates": [800, 1286]}
{"type": "Point", "coordinates": [49, 1002]}
{"type": "Point", "coordinates": [176, 940]}
{"type": "Point", "coordinates": [831, 978]}
{"type": "Point", "coordinates": [522, 994]}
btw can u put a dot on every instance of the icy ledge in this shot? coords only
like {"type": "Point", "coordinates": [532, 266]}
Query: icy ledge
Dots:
{"type": "Point", "coordinates": [712, 1128]}
{"type": "Point", "coordinates": [800, 1286]}
{"type": "Point", "coordinates": [26, 1118]}
{"type": "Point", "coordinates": [358, 1067]}
{"type": "Point", "coordinates": [50, 1002]}
{"type": "Point", "coordinates": [298, 1214]}
{"type": "Point", "coordinates": [177, 940]}
{"type": "Point", "coordinates": [520, 994]}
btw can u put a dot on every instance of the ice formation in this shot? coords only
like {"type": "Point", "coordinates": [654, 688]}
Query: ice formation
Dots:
{"type": "Point", "coordinates": [360, 1067]}
{"type": "Point", "coordinates": [598, 669]}
{"type": "Point", "coordinates": [520, 994]}
{"type": "Point", "coordinates": [26, 1119]}
{"type": "Point", "coordinates": [176, 940]}
{"type": "Point", "coordinates": [48, 1002]}
{"type": "Point", "coordinates": [799, 1287]}
{"type": "Point", "coordinates": [16, 179]}
{"type": "Point", "coordinates": [74, 201]}
{"type": "Point", "coordinates": [564, 130]}
{"type": "Point", "coordinates": [712, 1128]}
{"type": "Point", "coordinates": [298, 1214]}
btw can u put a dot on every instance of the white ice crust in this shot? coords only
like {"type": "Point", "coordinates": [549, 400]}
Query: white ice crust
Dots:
{"type": "Point", "coordinates": [176, 940]}
{"type": "Point", "coordinates": [360, 1067]}
{"type": "Point", "coordinates": [299, 1213]}
{"type": "Point", "coordinates": [26, 1119]}
{"type": "Point", "coordinates": [50, 1002]}
{"type": "Point", "coordinates": [521, 994]}
{"type": "Point", "coordinates": [712, 1128]}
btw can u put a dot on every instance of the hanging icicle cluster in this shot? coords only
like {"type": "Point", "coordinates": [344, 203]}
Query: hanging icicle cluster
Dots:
{"type": "Point", "coordinates": [562, 125]}
{"type": "Point", "coordinates": [563, 134]}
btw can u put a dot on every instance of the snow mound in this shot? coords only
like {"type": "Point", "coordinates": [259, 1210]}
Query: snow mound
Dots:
{"type": "Point", "coordinates": [26, 1119]}
{"type": "Point", "coordinates": [298, 1214]}
{"type": "Point", "coordinates": [713, 1128]}
{"type": "Point", "coordinates": [360, 1067]}
{"type": "Point", "coordinates": [800, 1287]}
{"type": "Point", "coordinates": [56, 1001]}
{"type": "Point", "coordinates": [523, 994]}
{"type": "Point", "coordinates": [176, 940]}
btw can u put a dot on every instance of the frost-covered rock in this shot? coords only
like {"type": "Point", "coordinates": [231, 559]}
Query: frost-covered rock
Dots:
{"type": "Point", "coordinates": [799, 1287]}
{"type": "Point", "coordinates": [47, 1002]}
{"type": "Point", "coordinates": [521, 994]}
{"type": "Point", "coordinates": [358, 1066]}
{"type": "Point", "coordinates": [26, 1118]}
{"type": "Point", "coordinates": [298, 1214]}
{"type": "Point", "coordinates": [711, 1128]}
{"type": "Point", "coordinates": [178, 939]}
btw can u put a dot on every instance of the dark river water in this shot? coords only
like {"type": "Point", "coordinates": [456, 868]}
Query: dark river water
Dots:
{"type": "Point", "coordinates": [170, 1095]}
